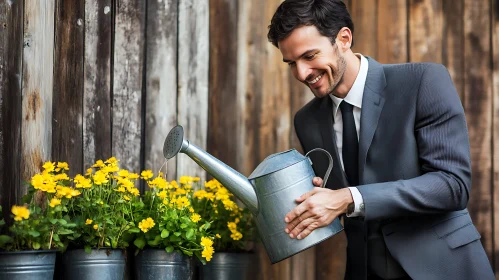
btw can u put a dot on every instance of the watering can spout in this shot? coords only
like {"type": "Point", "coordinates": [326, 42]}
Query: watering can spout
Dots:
{"type": "Point", "coordinates": [234, 181]}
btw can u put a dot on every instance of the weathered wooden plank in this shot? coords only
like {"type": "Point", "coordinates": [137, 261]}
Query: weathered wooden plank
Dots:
{"type": "Point", "coordinates": [224, 134]}
{"type": "Point", "coordinates": [300, 95]}
{"type": "Point", "coordinates": [127, 83]}
{"type": "Point", "coordinates": [495, 129]}
{"type": "Point", "coordinates": [37, 87]}
{"type": "Point", "coordinates": [97, 81]}
{"type": "Point", "coordinates": [161, 81]}
{"type": "Point", "coordinates": [193, 52]}
{"type": "Point", "coordinates": [67, 117]}
{"type": "Point", "coordinates": [392, 31]}
{"type": "Point", "coordinates": [11, 47]}
{"type": "Point", "coordinates": [452, 42]}
{"type": "Point", "coordinates": [478, 101]}
{"type": "Point", "coordinates": [364, 15]}
{"type": "Point", "coordinates": [425, 30]}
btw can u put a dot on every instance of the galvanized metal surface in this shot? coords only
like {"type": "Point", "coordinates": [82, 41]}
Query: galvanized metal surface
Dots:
{"type": "Point", "coordinates": [102, 264]}
{"type": "Point", "coordinates": [270, 193]}
{"type": "Point", "coordinates": [155, 264]}
{"type": "Point", "coordinates": [27, 265]}
{"type": "Point", "coordinates": [228, 266]}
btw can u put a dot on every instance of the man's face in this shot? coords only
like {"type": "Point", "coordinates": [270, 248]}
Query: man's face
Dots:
{"type": "Point", "coordinates": [313, 59]}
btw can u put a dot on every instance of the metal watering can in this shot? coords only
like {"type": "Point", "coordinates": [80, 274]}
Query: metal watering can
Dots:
{"type": "Point", "coordinates": [269, 192]}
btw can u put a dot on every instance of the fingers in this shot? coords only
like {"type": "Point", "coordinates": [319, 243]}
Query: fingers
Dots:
{"type": "Point", "coordinates": [317, 181]}
{"type": "Point", "coordinates": [301, 226]}
{"type": "Point", "coordinates": [298, 220]}
{"type": "Point", "coordinates": [300, 209]}
{"type": "Point", "coordinates": [307, 231]}
{"type": "Point", "coordinates": [307, 195]}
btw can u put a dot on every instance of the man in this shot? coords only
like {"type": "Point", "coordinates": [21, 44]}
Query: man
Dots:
{"type": "Point", "coordinates": [398, 137]}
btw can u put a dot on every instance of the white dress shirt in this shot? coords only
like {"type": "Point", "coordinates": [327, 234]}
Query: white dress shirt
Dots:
{"type": "Point", "coordinates": [354, 97]}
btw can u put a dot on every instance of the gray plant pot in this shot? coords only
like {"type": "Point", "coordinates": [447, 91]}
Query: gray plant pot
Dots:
{"type": "Point", "coordinates": [227, 266]}
{"type": "Point", "coordinates": [155, 264]}
{"type": "Point", "coordinates": [102, 264]}
{"type": "Point", "coordinates": [27, 265]}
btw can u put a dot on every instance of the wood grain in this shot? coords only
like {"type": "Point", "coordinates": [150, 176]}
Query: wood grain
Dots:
{"type": "Point", "coordinates": [11, 47]}
{"type": "Point", "coordinates": [495, 126]}
{"type": "Point", "coordinates": [425, 30]}
{"type": "Point", "coordinates": [392, 32]}
{"type": "Point", "coordinates": [97, 81]}
{"type": "Point", "coordinates": [67, 116]}
{"type": "Point", "coordinates": [161, 81]}
{"type": "Point", "coordinates": [193, 52]}
{"type": "Point", "coordinates": [127, 83]}
{"type": "Point", "coordinates": [364, 15]}
{"type": "Point", "coordinates": [452, 42]}
{"type": "Point", "coordinates": [37, 87]}
{"type": "Point", "coordinates": [478, 109]}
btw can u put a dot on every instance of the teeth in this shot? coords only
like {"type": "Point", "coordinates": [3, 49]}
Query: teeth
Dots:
{"type": "Point", "coordinates": [315, 80]}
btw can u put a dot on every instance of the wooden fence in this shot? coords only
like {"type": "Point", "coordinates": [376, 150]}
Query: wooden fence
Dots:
{"type": "Point", "coordinates": [85, 80]}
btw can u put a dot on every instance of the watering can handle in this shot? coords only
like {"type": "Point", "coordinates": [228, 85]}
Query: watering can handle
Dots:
{"type": "Point", "coordinates": [328, 168]}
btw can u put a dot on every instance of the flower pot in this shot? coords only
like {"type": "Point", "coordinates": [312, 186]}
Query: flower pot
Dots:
{"type": "Point", "coordinates": [27, 265]}
{"type": "Point", "coordinates": [226, 266]}
{"type": "Point", "coordinates": [153, 264]}
{"type": "Point", "coordinates": [102, 264]}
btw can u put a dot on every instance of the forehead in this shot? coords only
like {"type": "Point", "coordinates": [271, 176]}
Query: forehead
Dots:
{"type": "Point", "coordinates": [300, 40]}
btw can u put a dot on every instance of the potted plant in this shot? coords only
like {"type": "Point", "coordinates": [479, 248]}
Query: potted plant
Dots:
{"type": "Point", "coordinates": [41, 226]}
{"type": "Point", "coordinates": [104, 218]}
{"type": "Point", "coordinates": [233, 227]}
{"type": "Point", "coordinates": [171, 233]}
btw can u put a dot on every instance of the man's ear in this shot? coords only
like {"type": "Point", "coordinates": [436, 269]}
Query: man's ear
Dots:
{"type": "Point", "coordinates": [344, 38]}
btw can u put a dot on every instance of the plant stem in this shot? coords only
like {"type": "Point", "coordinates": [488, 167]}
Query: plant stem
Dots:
{"type": "Point", "coordinates": [50, 240]}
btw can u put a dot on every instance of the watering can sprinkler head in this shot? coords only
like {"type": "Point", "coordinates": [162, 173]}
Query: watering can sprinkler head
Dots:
{"type": "Point", "coordinates": [174, 142]}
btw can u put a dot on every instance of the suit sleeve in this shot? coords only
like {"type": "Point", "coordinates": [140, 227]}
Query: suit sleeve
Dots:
{"type": "Point", "coordinates": [444, 155]}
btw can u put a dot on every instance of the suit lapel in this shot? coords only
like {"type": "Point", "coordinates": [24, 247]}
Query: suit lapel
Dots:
{"type": "Point", "coordinates": [329, 142]}
{"type": "Point", "coordinates": [372, 105]}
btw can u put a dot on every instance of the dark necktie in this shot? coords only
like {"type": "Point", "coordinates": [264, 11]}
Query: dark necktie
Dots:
{"type": "Point", "coordinates": [350, 144]}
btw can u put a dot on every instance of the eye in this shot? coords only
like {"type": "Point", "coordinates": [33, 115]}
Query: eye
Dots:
{"type": "Point", "coordinates": [310, 56]}
{"type": "Point", "coordinates": [291, 64]}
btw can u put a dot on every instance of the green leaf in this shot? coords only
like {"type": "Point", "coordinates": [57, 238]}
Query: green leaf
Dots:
{"type": "Point", "coordinates": [165, 233]}
{"type": "Point", "coordinates": [65, 231]}
{"type": "Point", "coordinates": [174, 238]}
{"type": "Point", "coordinates": [156, 241]}
{"type": "Point", "coordinates": [177, 233]}
{"type": "Point", "coordinates": [56, 237]}
{"type": "Point", "coordinates": [62, 222]}
{"type": "Point", "coordinates": [183, 225]}
{"type": "Point", "coordinates": [34, 233]}
{"type": "Point", "coordinates": [4, 239]}
{"type": "Point", "coordinates": [2, 222]}
{"type": "Point", "coordinates": [189, 234]}
{"type": "Point", "coordinates": [169, 249]}
{"type": "Point", "coordinates": [70, 225]}
{"type": "Point", "coordinates": [88, 249]}
{"type": "Point", "coordinates": [36, 245]}
{"type": "Point", "coordinates": [134, 230]}
{"type": "Point", "coordinates": [140, 242]}
{"type": "Point", "coordinates": [53, 221]}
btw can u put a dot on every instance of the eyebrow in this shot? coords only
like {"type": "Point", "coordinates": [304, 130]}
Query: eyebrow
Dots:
{"type": "Point", "coordinates": [302, 55]}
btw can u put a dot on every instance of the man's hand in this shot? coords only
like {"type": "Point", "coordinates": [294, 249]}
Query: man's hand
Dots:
{"type": "Point", "coordinates": [317, 208]}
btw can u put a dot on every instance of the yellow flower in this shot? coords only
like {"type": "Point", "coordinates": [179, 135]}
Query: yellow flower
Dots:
{"type": "Point", "coordinates": [206, 242]}
{"type": "Point", "coordinates": [232, 226]}
{"type": "Point", "coordinates": [96, 226]}
{"type": "Point", "coordinates": [123, 173]}
{"type": "Point", "coordinates": [236, 235]}
{"type": "Point", "coordinates": [99, 164]}
{"type": "Point", "coordinates": [121, 189]}
{"type": "Point", "coordinates": [100, 178]}
{"type": "Point", "coordinates": [191, 210]}
{"type": "Point", "coordinates": [54, 202]}
{"type": "Point", "coordinates": [20, 212]}
{"type": "Point", "coordinates": [218, 235]}
{"type": "Point", "coordinates": [49, 166]}
{"type": "Point", "coordinates": [133, 176]}
{"type": "Point", "coordinates": [162, 194]}
{"type": "Point", "coordinates": [182, 202]}
{"type": "Point", "coordinates": [62, 166]}
{"type": "Point", "coordinates": [37, 181]}
{"type": "Point", "coordinates": [208, 253]}
{"type": "Point", "coordinates": [88, 222]}
{"type": "Point", "coordinates": [146, 224]}
{"type": "Point", "coordinates": [147, 174]}
{"type": "Point", "coordinates": [126, 197]}
{"type": "Point", "coordinates": [112, 161]}
{"type": "Point", "coordinates": [89, 171]}
{"type": "Point", "coordinates": [195, 218]}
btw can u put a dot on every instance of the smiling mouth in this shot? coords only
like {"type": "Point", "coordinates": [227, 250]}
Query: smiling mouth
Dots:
{"type": "Point", "coordinates": [315, 80]}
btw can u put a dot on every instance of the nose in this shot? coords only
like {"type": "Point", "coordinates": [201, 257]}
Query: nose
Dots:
{"type": "Point", "coordinates": [302, 71]}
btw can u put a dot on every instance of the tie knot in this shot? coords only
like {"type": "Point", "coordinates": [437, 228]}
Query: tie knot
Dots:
{"type": "Point", "coordinates": [346, 107]}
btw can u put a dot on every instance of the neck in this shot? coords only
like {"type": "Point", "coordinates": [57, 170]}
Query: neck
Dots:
{"type": "Point", "coordinates": [351, 72]}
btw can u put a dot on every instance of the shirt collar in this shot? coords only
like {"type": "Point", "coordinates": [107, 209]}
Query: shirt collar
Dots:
{"type": "Point", "coordinates": [354, 96]}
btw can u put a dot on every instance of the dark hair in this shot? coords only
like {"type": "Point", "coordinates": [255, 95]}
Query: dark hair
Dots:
{"type": "Point", "coordinates": [328, 16]}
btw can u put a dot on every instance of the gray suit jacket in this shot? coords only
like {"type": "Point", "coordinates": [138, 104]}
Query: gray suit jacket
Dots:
{"type": "Point", "coordinates": [414, 169]}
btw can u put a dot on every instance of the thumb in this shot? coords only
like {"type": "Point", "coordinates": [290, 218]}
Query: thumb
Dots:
{"type": "Point", "coordinates": [317, 181]}
{"type": "Point", "coordinates": [306, 195]}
